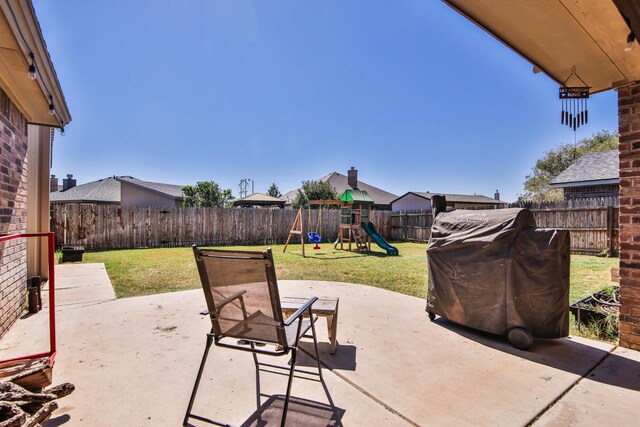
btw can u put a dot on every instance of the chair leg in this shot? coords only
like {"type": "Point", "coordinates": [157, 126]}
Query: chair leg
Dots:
{"type": "Point", "coordinates": [286, 399]}
{"type": "Point", "coordinates": [315, 346]}
{"type": "Point", "coordinates": [257, 366]}
{"type": "Point", "coordinates": [197, 383]}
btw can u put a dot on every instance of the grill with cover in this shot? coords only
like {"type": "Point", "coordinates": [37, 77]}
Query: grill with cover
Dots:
{"type": "Point", "coordinates": [493, 270]}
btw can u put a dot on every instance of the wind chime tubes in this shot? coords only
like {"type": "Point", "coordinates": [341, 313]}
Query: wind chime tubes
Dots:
{"type": "Point", "coordinates": [574, 99]}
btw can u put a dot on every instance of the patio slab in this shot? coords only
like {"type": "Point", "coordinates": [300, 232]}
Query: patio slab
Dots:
{"type": "Point", "coordinates": [134, 360]}
{"type": "Point", "coordinates": [607, 396]}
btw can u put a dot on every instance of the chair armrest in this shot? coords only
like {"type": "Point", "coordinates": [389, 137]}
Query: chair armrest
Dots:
{"type": "Point", "coordinates": [227, 300]}
{"type": "Point", "coordinates": [306, 306]}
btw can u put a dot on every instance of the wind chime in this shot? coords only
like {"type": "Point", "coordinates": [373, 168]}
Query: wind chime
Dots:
{"type": "Point", "coordinates": [574, 102]}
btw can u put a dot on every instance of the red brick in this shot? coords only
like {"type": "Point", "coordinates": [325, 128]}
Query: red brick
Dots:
{"type": "Point", "coordinates": [13, 190]}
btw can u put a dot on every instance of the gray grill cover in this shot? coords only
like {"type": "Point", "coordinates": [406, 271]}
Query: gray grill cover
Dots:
{"type": "Point", "coordinates": [493, 270]}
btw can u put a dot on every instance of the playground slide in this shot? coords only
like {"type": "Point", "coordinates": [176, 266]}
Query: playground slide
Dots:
{"type": "Point", "coordinates": [371, 231]}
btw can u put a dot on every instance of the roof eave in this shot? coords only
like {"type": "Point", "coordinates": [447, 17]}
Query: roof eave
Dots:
{"type": "Point", "coordinates": [28, 35]}
{"type": "Point", "coordinates": [611, 181]}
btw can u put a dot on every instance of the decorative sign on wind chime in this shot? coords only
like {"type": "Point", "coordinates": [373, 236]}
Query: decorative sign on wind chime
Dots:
{"type": "Point", "coordinates": [574, 102]}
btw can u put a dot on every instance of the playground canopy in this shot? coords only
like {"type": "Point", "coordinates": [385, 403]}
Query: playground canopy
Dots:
{"type": "Point", "coordinates": [356, 196]}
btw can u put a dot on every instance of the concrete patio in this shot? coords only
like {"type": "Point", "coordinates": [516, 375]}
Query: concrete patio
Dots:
{"type": "Point", "coordinates": [134, 360]}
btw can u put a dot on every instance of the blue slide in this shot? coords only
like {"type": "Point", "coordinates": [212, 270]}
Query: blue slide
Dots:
{"type": "Point", "coordinates": [371, 231]}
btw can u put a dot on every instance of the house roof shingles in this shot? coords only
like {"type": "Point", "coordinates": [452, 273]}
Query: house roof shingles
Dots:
{"type": "Point", "coordinates": [457, 198]}
{"type": "Point", "coordinates": [339, 182]}
{"type": "Point", "coordinates": [108, 190]}
{"type": "Point", "coordinates": [601, 166]}
{"type": "Point", "coordinates": [259, 198]}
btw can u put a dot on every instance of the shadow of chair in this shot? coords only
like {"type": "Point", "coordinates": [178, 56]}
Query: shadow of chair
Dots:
{"type": "Point", "coordinates": [302, 412]}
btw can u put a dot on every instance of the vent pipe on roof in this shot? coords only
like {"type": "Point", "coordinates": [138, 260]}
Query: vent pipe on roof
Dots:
{"type": "Point", "coordinates": [68, 182]}
{"type": "Point", "coordinates": [496, 195]}
{"type": "Point", "coordinates": [53, 184]}
{"type": "Point", "coordinates": [352, 178]}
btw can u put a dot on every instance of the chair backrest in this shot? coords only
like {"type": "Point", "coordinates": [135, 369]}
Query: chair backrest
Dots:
{"type": "Point", "coordinates": [241, 291]}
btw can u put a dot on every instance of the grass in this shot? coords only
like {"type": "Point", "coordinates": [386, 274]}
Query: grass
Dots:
{"type": "Point", "coordinates": [150, 271]}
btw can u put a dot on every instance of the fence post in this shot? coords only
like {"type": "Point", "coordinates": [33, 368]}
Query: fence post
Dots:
{"type": "Point", "coordinates": [609, 230]}
{"type": "Point", "coordinates": [405, 224]}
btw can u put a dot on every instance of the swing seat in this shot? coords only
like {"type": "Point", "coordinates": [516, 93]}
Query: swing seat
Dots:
{"type": "Point", "coordinates": [314, 238]}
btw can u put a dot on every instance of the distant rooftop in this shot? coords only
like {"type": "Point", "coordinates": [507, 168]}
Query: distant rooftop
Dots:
{"type": "Point", "coordinates": [590, 169]}
{"type": "Point", "coordinates": [339, 182]}
{"type": "Point", "coordinates": [108, 190]}
{"type": "Point", "coordinates": [259, 199]}
{"type": "Point", "coordinates": [457, 198]}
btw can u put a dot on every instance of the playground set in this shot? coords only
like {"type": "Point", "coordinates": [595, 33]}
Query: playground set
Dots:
{"type": "Point", "coordinates": [355, 225]}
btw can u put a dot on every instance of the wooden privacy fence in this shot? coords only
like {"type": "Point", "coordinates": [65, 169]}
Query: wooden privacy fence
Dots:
{"type": "Point", "coordinates": [411, 226]}
{"type": "Point", "coordinates": [98, 227]}
{"type": "Point", "coordinates": [593, 229]}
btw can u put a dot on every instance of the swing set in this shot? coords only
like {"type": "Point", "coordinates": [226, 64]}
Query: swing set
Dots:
{"type": "Point", "coordinates": [314, 236]}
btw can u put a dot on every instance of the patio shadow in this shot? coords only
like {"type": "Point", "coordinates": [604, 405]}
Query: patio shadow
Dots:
{"type": "Point", "coordinates": [344, 359]}
{"type": "Point", "coordinates": [57, 421]}
{"type": "Point", "coordinates": [301, 412]}
{"type": "Point", "coordinates": [562, 353]}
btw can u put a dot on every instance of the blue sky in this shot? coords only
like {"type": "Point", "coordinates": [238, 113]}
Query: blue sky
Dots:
{"type": "Point", "coordinates": [409, 92]}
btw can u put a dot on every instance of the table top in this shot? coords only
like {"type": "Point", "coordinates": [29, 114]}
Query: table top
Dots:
{"type": "Point", "coordinates": [324, 305]}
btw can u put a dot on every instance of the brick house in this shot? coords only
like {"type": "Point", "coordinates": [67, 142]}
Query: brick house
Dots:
{"type": "Point", "coordinates": [32, 105]}
{"type": "Point", "coordinates": [592, 175]}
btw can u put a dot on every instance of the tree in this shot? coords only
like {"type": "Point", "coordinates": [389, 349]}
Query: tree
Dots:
{"type": "Point", "coordinates": [206, 194]}
{"type": "Point", "coordinates": [274, 191]}
{"type": "Point", "coordinates": [536, 184]}
{"type": "Point", "coordinates": [314, 190]}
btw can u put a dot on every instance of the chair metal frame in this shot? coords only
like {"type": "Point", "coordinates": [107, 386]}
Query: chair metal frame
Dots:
{"type": "Point", "coordinates": [282, 347]}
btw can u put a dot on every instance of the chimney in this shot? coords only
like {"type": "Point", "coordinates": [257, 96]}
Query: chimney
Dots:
{"type": "Point", "coordinates": [53, 184]}
{"type": "Point", "coordinates": [497, 195]}
{"type": "Point", "coordinates": [352, 178]}
{"type": "Point", "coordinates": [68, 182]}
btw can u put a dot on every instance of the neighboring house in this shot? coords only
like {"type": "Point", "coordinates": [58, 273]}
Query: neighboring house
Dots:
{"type": "Point", "coordinates": [259, 200]}
{"type": "Point", "coordinates": [119, 190]}
{"type": "Point", "coordinates": [417, 201]}
{"type": "Point", "coordinates": [592, 175]}
{"type": "Point", "coordinates": [381, 199]}
{"type": "Point", "coordinates": [32, 105]}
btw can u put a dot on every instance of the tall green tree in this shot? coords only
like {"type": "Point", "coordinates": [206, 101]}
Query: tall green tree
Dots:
{"type": "Point", "coordinates": [536, 184]}
{"type": "Point", "coordinates": [314, 190]}
{"type": "Point", "coordinates": [274, 191]}
{"type": "Point", "coordinates": [206, 194]}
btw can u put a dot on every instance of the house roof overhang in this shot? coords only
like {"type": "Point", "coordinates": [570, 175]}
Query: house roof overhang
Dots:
{"type": "Point", "coordinates": [20, 35]}
{"type": "Point", "coordinates": [556, 35]}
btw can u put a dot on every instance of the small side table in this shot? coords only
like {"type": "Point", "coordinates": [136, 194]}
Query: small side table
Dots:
{"type": "Point", "coordinates": [323, 307]}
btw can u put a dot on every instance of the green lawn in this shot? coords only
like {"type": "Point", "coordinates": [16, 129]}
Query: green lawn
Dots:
{"type": "Point", "coordinates": [151, 271]}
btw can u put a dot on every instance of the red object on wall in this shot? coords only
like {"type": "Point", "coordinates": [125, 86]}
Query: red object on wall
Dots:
{"type": "Point", "coordinates": [51, 354]}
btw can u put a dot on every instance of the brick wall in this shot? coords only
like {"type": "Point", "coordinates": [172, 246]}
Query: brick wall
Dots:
{"type": "Point", "coordinates": [629, 129]}
{"type": "Point", "coordinates": [13, 211]}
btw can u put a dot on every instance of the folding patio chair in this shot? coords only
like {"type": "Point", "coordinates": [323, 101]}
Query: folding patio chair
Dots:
{"type": "Point", "coordinates": [242, 297]}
